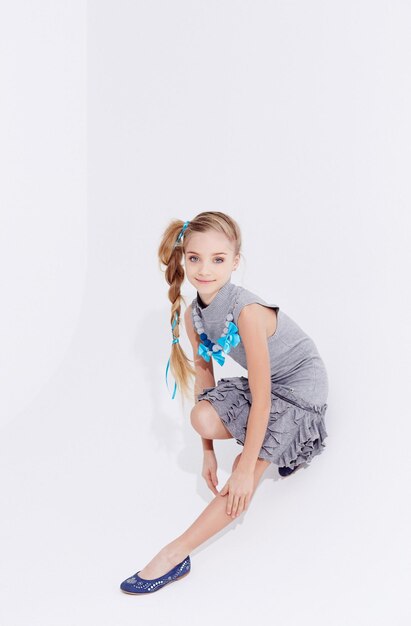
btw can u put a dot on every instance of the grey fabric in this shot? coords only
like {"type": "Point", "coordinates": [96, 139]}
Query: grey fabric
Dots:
{"type": "Point", "coordinates": [299, 382]}
{"type": "Point", "coordinates": [296, 429]}
{"type": "Point", "coordinates": [295, 360]}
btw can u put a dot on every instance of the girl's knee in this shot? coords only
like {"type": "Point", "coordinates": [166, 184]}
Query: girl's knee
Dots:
{"type": "Point", "coordinates": [198, 417]}
{"type": "Point", "coordinates": [200, 411]}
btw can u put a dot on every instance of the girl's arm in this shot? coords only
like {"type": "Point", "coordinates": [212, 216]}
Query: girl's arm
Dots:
{"type": "Point", "coordinates": [204, 370]}
{"type": "Point", "coordinates": [253, 333]}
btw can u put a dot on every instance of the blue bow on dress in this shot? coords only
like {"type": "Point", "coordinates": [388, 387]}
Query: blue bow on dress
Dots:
{"type": "Point", "coordinates": [230, 340]}
{"type": "Point", "coordinates": [217, 355]}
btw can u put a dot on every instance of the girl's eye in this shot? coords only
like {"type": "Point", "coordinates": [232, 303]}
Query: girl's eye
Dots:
{"type": "Point", "coordinates": [219, 258]}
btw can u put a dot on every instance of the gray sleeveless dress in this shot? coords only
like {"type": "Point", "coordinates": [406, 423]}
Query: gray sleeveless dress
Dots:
{"type": "Point", "coordinates": [299, 382]}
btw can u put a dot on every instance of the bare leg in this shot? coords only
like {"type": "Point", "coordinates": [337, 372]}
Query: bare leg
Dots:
{"type": "Point", "coordinates": [213, 519]}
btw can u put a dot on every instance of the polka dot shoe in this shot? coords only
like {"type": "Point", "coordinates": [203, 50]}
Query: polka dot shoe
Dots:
{"type": "Point", "coordinates": [136, 585]}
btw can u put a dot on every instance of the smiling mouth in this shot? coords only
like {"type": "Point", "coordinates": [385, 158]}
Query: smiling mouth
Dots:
{"type": "Point", "coordinates": [204, 281]}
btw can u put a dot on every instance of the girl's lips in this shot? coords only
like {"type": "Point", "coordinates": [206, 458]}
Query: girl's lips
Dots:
{"type": "Point", "coordinates": [204, 281]}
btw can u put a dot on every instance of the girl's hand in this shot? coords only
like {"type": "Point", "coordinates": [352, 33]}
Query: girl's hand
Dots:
{"type": "Point", "coordinates": [209, 472]}
{"type": "Point", "coordinates": [239, 488]}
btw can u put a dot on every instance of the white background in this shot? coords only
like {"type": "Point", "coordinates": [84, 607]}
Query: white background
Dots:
{"type": "Point", "coordinates": [115, 117]}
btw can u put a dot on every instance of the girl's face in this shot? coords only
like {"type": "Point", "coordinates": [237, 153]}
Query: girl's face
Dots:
{"type": "Point", "coordinates": [209, 260]}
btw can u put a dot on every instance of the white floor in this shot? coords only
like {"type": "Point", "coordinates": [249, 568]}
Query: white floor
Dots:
{"type": "Point", "coordinates": [85, 506]}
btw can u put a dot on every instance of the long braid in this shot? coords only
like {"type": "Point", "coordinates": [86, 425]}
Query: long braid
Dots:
{"type": "Point", "coordinates": [170, 254]}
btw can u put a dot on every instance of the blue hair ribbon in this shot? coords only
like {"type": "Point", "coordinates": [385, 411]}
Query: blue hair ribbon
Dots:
{"type": "Point", "coordinates": [182, 232]}
{"type": "Point", "coordinates": [175, 340]}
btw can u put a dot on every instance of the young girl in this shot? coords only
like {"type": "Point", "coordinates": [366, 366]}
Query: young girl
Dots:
{"type": "Point", "coordinates": [276, 414]}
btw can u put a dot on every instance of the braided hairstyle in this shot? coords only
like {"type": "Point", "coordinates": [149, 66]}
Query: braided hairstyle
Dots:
{"type": "Point", "coordinates": [170, 255]}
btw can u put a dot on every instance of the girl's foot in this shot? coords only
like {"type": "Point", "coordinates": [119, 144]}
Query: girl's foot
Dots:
{"type": "Point", "coordinates": [163, 562]}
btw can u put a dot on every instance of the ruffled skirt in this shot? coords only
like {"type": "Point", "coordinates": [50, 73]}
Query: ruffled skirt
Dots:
{"type": "Point", "coordinates": [296, 428]}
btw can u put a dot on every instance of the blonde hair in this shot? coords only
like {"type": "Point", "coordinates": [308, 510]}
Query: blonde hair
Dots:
{"type": "Point", "coordinates": [170, 255]}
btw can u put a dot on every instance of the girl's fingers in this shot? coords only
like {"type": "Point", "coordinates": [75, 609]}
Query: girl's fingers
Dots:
{"type": "Point", "coordinates": [230, 503]}
{"type": "Point", "coordinates": [237, 501]}
{"type": "Point", "coordinates": [240, 508]}
{"type": "Point", "coordinates": [224, 491]}
{"type": "Point", "coordinates": [232, 506]}
{"type": "Point", "coordinates": [211, 485]}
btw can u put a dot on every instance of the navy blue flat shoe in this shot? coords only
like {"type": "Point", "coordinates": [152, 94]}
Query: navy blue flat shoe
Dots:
{"type": "Point", "coordinates": [136, 585]}
{"type": "Point", "coordinates": [286, 471]}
